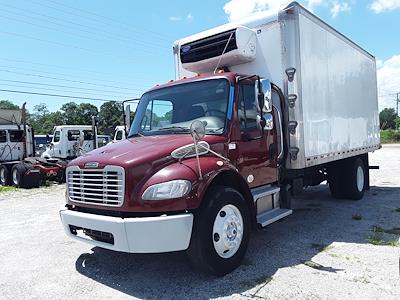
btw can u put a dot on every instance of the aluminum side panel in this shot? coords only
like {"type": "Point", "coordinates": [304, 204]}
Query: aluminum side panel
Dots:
{"type": "Point", "coordinates": [338, 93]}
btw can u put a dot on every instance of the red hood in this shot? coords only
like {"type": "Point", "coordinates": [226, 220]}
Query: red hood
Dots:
{"type": "Point", "coordinates": [139, 151]}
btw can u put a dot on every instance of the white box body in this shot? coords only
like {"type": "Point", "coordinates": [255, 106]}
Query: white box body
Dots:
{"type": "Point", "coordinates": [336, 109]}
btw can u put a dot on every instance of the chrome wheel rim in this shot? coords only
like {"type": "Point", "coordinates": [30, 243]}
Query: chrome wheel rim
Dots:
{"type": "Point", "coordinates": [2, 175]}
{"type": "Point", "coordinates": [360, 178]}
{"type": "Point", "coordinates": [14, 176]}
{"type": "Point", "coordinates": [227, 231]}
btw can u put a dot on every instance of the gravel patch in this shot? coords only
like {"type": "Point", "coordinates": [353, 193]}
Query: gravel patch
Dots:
{"type": "Point", "coordinates": [325, 250]}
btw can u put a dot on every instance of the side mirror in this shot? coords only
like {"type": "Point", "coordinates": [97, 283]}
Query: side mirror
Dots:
{"type": "Point", "coordinates": [198, 130]}
{"type": "Point", "coordinates": [127, 116]}
{"type": "Point", "coordinates": [264, 95]}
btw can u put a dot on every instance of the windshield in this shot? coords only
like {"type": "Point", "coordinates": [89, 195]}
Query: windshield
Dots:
{"type": "Point", "coordinates": [174, 108]}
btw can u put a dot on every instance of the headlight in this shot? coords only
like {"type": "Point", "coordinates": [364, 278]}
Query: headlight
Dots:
{"type": "Point", "coordinates": [167, 190]}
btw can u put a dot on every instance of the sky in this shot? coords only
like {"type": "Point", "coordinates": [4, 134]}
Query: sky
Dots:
{"type": "Point", "coordinates": [116, 50]}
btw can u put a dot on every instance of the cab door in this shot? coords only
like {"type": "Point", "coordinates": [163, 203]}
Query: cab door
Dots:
{"type": "Point", "coordinates": [255, 154]}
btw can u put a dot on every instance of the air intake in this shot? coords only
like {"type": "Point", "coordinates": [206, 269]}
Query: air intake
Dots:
{"type": "Point", "coordinates": [203, 55]}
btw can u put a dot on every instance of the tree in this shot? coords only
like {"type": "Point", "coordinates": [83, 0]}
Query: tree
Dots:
{"type": "Point", "coordinates": [110, 115]}
{"type": "Point", "coordinates": [44, 121]}
{"type": "Point", "coordinates": [41, 109]}
{"type": "Point", "coordinates": [387, 118]}
{"type": "Point", "coordinates": [6, 104]}
{"type": "Point", "coordinates": [81, 114]}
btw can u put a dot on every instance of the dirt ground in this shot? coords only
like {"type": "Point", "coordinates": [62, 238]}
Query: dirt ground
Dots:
{"type": "Point", "coordinates": [327, 249]}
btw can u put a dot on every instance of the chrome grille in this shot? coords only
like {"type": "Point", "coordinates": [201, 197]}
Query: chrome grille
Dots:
{"type": "Point", "coordinates": [96, 186]}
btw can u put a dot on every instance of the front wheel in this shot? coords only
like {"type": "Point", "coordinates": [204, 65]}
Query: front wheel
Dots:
{"type": "Point", "coordinates": [221, 232]}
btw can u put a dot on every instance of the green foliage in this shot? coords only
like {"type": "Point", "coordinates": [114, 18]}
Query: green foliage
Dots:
{"type": "Point", "coordinates": [44, 121]}
{"type": "Point", "coordinates": [78, 114]}
{"type": "Point", "coordinates": [110, 115]}
{"type": "Point", "coordinates": [5, 104]}
{"type": "Point", "coordinates": [7, 189]}
{"type": "Point", "coordinates": [71, 113]}
{"type": "Point", "coordinates": [390, 136]}
{"type": "Point", "coordinates": [387, 118]}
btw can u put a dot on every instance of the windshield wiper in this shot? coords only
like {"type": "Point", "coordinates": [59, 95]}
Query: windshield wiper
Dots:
{"type": "Point", "coordinates": [181, 128]}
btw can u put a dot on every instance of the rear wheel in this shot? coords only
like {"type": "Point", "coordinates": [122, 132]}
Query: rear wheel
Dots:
{"type": "Point", "coordinates": [17, 175]}
{"type": "Point", "coordinates": [5, 178]}
{"type": "Point", "coordinates": [348, 179]}
{"type": "Point", "coordinates": [355, 183]}
{"type": "Point", "coordinates": [23, 178]}
{"type": "Point", "coordinates": [221, 232]}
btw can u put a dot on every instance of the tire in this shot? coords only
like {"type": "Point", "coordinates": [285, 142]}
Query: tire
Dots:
{"type": "Point", "coordinates": [347, 179]}
{"type": "Point", "coordinates": [355, 180]}
{"type": "Point", "coordinates": [213, 248]}
{"type": "Point", "coordinates": [5, 178]}
{"type": "Point", "coordinates": [21, 179]}
{"type": "Point", "coordinates": [18, 174]}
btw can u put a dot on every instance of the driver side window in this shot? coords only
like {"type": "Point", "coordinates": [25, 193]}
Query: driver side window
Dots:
{"type": "Point", "coordinates": [158, 114]}
{"type": "Point", "coordinates": [247, 112]}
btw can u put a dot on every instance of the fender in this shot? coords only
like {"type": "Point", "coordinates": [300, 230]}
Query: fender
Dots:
{"type": "Point", "coordinates": [186, 169]}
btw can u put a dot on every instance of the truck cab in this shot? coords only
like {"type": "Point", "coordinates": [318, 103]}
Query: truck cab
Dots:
{"type": "Point", "coordinates": [161, 173]}
{"type": "Point", "coordinates": [70, 141]}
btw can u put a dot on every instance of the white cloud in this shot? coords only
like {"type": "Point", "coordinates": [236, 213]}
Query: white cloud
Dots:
{"type": "Point", "coordinates": [175, 19]}
{"type": "Point", "coordinates": [338, 7]}
{"type": "Point", "coordinates": [379, 6]}
{"type": "Point", "coordinates": [388, 81]}
{"type": "Point", "coordinates": [238, 9]}
{"type": "Point", "coordinates": [188, 17]}
{"type": "Point", "coordinates": [312, 4]}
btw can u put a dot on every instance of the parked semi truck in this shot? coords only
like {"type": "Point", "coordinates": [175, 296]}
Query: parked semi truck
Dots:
{"type": "Point", "coordinates": [19, 164]}
{"type": "Point", "coordinates": [260, 109]}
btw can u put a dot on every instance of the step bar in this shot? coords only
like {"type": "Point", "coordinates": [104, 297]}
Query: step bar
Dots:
{"type": "Point", "coordinates": [272, 216]}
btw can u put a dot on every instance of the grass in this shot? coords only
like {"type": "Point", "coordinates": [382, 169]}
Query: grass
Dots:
{"type": "Point", "coordinates": [357, 217]}
{"type": "Point", "coordinates": [7, 189]}
{"type": "Point", "coordinates": [377, 237]}
{"type": "Point", "coordinates": [390, 136]}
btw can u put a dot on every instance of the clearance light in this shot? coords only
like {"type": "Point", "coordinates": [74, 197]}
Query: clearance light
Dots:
{"type": "Point", "coordinates": [171, 81]}
{"type": "Point", "coordinates": [221, 72]}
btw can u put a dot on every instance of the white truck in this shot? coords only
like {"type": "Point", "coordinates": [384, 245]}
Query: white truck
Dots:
{"type": "Point", "coordinates": [70, 141]}
{"type": "Point", "coordinates": [260, 109]}
{"type": "Point", "coordinates": [19, 165]}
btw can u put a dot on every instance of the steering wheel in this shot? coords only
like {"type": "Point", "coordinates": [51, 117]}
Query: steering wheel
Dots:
{"type": "Point", "coordinates": [215, 110]}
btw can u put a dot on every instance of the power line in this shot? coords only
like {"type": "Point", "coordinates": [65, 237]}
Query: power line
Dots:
{"type": "Point", "coordinates": [62, 86]}
{"type": "Point", "coordinates": [59, 95]}
{"type": "Point", "coordinates": [64, 74]}
{"type": "Point", "coordinates": [68, 80]}
{"type": "Point", "coordinates": [93, 30]}
{"type": "Point", "coordinates": [60, 67]}
{"type": "Point", "coordinates": [102, 17]}
{"type": "Point", "coordinates": [62, 91]}
{"type": "Point", "coordinates": [74, 34]}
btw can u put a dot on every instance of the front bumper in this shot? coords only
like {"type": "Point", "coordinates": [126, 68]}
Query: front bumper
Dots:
{"type": "Point", "coordinates": [134, 235]}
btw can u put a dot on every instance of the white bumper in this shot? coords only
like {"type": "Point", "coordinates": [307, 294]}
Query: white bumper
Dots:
{"type": "Point", "coordinates": [134, 235]}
